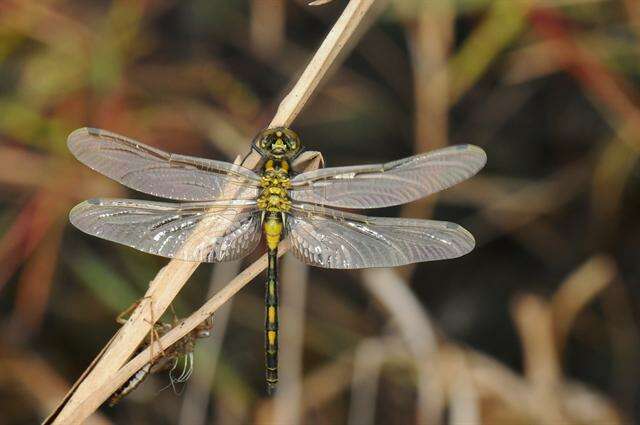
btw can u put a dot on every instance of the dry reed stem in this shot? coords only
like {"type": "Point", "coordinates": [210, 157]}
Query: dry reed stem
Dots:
{"type": "Point", "coordinates": [489, 380]}
{"type": "Point", "coordinates": [471, 376]}
{"type": "Point", "coordinates": [267, 27]}
{"type": "Point", "coordinates": [417, 331]}
{"type": "Point", "coordinates": [327, 382]}
{"type": "Point", "coordinates": [463, 398]}
{"type": "Point", "coordinates": [368, 360]}
{"type": "Point", "coordinates": [494, 380]}
{"type": "Point", "coordinates": [319, 2]}
{"type": "Point", "coordinates": [577, 290]}
{"type": "Point", "coordinates": [102, 392]}
{"type": "Point", "coordinates": [34, 287]}
{"type": "Point", "coordinates": [196, 398]}
{"type": "Point", "coordinates": [534, 320]}
{"type": "Point", "coordinates": [339, 40]}
{"type": "Point", "coordinates": [332, 379]}
{"type": "Point", "coordinates": [107, 374]}
{"type": "Point", "coordinates": [431, 41]}
{"type": "Point", "coordinates": [163, 289]}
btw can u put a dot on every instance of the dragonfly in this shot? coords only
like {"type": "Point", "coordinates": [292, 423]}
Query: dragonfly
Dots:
{"type": "Point", "coordinates": [223, 209]}
{"type": "Point", "coordinates": [180, 353]}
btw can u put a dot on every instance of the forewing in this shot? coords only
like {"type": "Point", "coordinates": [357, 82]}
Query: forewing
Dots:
{"type": "Point", "coordinates": [204, 232]}
{"type": "Point", "coordinates": [335, 239]}
{"type": "Point", "coordinates": [159, 173]}
{"type": "Point", "coordinates": [393, 183]}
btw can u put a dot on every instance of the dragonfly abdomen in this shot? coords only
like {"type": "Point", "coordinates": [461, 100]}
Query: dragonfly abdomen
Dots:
{"type": "Point", "coordinates": [131, 384]}
{"type": "Point", "coordinates": [273, 234]}
{"type": "Point", "coordinates": [271, 322]}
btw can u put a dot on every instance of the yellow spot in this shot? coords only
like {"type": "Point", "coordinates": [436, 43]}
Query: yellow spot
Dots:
{"type": "Point", "coordinates": [271, 314]}
{"type": "Point", "coordinates": [269, 165]}
{"type": "Point", "coordinates": [273, 232]}
{"type": "Point", "coordinates": [279, 133]}
{"type": "Point", "coordinates": [271, 337]}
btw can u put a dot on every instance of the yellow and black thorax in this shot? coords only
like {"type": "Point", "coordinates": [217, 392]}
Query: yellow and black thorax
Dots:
{"type": "Point", "coordinates": [274, 199]}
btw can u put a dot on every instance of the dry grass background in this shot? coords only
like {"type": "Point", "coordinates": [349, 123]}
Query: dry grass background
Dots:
{"type": "Point", "coordinates": [539, 324]}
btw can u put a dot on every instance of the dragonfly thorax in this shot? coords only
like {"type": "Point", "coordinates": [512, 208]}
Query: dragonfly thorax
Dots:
{"type": "Point", "coordinates": [275, 185]}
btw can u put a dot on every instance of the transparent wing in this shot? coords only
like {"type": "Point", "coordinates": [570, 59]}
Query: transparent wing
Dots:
{"type": "Point", "coordinates": [159, 173]}
{"type": "Point", "coordinates": [204, 232]}
{"type": "Point", "coordinates": [335, 239]}
{"type": "Point", "coordinates": [393, 183]}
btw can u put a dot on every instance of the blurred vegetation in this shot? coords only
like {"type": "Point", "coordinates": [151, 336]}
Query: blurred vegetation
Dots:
{"type": "Point", "coordinates": [538, 324]}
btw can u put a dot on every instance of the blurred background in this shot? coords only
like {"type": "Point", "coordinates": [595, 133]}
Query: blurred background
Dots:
{"type": "Point", "coordinates": [538, 325]}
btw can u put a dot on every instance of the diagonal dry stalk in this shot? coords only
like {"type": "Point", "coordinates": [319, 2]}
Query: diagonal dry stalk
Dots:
{"type": "Point", "coordinates": [193, 410]}
{"type": "Point", "coordinates": [100, 393]}
{"type": "Point", "coordinates": [416, 329]}
{"type": "Point", "coordinates": [107, 372]}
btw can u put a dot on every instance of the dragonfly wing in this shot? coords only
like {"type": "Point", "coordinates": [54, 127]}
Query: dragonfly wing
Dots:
{"type": "Point", "coordinates": [204, 232]}
{"type": "Point", "coordinates": [393, 183]}
{"type": "Point", "coordinates": [159, 173]}
{"type": "Point", "coordinates": [335, 239]}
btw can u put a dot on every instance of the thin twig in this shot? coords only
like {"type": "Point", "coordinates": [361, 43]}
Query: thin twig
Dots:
{"type": "Point", "coordinates": [462, 394]}
{"type": "Point", "coordinates": [534, 320]}
{"type": "Point", "coordinates": [431, 39]}
{"type": "Point", "coordinates": [108, 372]}
{"type": "Point", "coordinates": [576, 291]}
{"type": "Point", "coordinates": [267, 27]}
{"type": "Point", "coordinates": [368, 361]}
{"type": "Point", "coordinates": [102, 392]}
{"type": "Point", "coordinates": [338, 42]}
{"type": "Point", "coordinates": [196, 398]}
{"type": "Point", "coordinates": [417, 331]}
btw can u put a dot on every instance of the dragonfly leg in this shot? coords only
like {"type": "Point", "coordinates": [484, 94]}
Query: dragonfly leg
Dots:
{"type": "Point", "coordinates": [124, 315]}
{"type": "Point", "coordinates": [153, 332]}
{"type": "Point", "coordinates": [173, 313]}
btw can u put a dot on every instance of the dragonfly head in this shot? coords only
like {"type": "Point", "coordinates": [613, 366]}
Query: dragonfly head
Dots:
{"type": "Point", "coordinates": [278, 142]}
